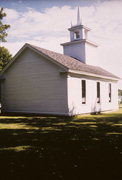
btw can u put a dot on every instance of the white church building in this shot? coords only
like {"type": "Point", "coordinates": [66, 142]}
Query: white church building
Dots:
{"type": "Point", "coordinates": [41, 81]}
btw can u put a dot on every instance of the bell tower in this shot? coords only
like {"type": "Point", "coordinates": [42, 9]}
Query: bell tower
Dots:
{"type": "Point", "coordinates": [79, 46]}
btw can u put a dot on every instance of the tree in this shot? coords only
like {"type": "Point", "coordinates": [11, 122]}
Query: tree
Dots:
{"type": "Point", "coordinates": [3, 27]}
{"type": "Point", "coordinates": [5, 57]}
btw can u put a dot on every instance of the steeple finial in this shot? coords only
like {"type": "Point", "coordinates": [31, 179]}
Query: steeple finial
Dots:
{"type": "Point", "coordinates": [78, 17]}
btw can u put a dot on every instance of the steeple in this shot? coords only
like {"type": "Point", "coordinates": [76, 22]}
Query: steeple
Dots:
{"type": "Point", "coordinates": [78, 31]}
{"type": "Point", "coordinates": [79, 44]}
{"type": "Point", "coordinates": [78, 17]}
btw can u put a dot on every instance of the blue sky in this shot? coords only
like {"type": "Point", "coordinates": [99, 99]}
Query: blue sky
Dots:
{"type": "Point", "coordinates": [21, 5]}
{"type": "Point", "coordinates": [44, 23]}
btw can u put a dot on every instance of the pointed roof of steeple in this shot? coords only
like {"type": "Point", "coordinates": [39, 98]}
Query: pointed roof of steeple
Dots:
{"type": "Point", "coordinates": [79, 23]}
{"type": "Point", "coordinates": [78, 17]}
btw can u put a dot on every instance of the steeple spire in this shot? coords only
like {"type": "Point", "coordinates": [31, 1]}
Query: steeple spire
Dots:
{"type": "Point", "coordinates": [78, 17]}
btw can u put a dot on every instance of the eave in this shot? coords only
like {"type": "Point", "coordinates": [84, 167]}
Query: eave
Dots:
{"type": "Point", "coordinates": [90, 75]}
{"type": "Point", "coordinates": [73, 28]}
{"type": "Point", "coordinates": [80, 41]}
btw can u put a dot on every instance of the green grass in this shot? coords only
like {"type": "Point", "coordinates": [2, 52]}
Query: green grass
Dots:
{"type": "Point", "coordinates": [51, 148]}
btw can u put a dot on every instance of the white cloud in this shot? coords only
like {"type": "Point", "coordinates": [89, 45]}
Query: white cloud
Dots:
{"type": "Point", "coordinates": [11, 14]}
{"type": "Point", "coordinates": [49, 28]}
{"type": "Point", "coordinates": [32, 21]}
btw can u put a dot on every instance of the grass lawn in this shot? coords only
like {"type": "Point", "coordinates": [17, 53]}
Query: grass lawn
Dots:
{"type": "Point", "coordinates": [53, 148]}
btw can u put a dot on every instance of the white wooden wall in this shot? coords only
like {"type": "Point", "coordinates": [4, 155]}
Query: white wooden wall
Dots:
{"type": "Point", "coordinates": [34, 84]}
{"type": "Point", "coordinates": [75, 93]}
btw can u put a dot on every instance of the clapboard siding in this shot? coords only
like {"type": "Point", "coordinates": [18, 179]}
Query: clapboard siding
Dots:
{"type": "Point", "coordinates": [75, 95]}
{"type": "Point", "coordinates": [34, 84]}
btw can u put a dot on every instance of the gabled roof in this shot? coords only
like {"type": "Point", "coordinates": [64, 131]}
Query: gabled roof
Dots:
{"type": "Point", "coordinates": [74, 64]}
{"type": "Point", "coordinates": [67, 62]}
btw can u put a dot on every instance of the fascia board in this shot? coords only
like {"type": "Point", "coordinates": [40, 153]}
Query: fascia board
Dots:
{"type": "Point", "coordinates": [80, 41]}
{"type": "Point", "coordinates": [92, 75]}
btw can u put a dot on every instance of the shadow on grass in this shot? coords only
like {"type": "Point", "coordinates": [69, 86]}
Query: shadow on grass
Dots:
{"type": "Point", "coordinates": [61, 148]}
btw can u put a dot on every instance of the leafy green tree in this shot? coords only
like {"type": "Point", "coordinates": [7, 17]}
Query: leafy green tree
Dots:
{"type": "Point", "coordinates": [3, 27]}
{"type": "Point", "coordinates": [5, 57]}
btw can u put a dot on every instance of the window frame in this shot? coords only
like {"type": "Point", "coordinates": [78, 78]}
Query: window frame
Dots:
{"type": "Point", "coordinates": [109, 91]}
{"type": "Point", "coordinates": [83, 91]}
{"type": "Point", "coordinates": [98, 92]}
{"type": "Point", "coordinates": [77, 34]}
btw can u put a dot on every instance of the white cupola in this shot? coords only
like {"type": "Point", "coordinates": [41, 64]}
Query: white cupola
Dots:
{"type": "Point", "coordinates": [79, 46]}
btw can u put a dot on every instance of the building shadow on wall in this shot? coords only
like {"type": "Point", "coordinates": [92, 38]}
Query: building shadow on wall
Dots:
{"type": "Point", "coordinates": [96, 107]}
{"type": "Point", "coordinates": [72, 111]}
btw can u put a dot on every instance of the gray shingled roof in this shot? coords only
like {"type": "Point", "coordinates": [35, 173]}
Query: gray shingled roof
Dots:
{"type": "Point", "coordinates": [74, 64]}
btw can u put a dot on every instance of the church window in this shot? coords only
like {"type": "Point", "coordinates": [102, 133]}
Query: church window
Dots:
{"type": "Point", "coordinates": [109, 92]}
{"type": "Point", "coordinates": [83, 92]}
{"type": "Point", "coordinates": [98, 92]}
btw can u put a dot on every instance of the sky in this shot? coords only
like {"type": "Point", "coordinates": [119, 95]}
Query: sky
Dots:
{"type": "Point", "coordinates": [45, 22]}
